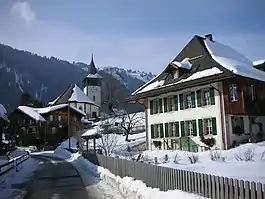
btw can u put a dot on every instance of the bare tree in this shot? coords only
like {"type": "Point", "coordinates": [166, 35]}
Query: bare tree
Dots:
{"type": "Point", "coordinates": [107, 142]}
{"type": "Point", "coordinates": [130, 121]}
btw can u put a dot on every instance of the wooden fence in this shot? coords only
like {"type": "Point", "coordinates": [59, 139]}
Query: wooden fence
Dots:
{"type": "Point", "coordinates": [13, 163]}
{"type": "Point", "coordinates": [165, 179]}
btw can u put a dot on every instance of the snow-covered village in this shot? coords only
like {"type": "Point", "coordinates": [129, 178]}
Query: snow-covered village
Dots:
{"type": "Point", "coordinates": [183, 119]}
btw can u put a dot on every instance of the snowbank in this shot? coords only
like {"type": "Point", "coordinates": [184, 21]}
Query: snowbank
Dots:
{"type": "Point", "coordinates": [127, 186]}
{"type": "Point", "coordinates": [231, 163]}
{"type": "Point", "coordinates": [73, 143]}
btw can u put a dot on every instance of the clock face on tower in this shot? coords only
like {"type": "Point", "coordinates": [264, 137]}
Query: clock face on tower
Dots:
{"type": "Point", "coordinates": [93, 88]}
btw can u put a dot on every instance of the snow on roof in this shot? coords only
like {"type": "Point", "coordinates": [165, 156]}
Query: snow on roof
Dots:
{"type": "Point", "coordinates": [183, 64]}
{"type": "Point", "coordinates": [90, 132]}
{"type": "Point", "coordinates": [233, 60]}
{"type": "Point", "coordinates": [94, 76]}
{"type": "Point", "coordinates": [50, 108]}
{"type": "Point", "coordinates": [79, 96]}
{"type": "Point", "coordinates": [258, 62]}
{"type": "Point", "coordinates": [153, 85]}
{"type": "Point", "coordinates": [3, 113]}
{"type": "Point", "coordinates": [57, 107]}
{"type": "Point", "coordinates": [31, 112]}
{"type": "Point", "coordinates": [201, 74]}
{"type": "Point", "coordinates": [52, 102]}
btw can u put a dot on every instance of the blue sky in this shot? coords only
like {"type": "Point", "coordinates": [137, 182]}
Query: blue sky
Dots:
{"type": "Point", "coordinates": [139, 34]}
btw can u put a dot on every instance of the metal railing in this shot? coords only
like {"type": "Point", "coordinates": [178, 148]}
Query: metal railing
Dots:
{"type": "Point", "coordinates": [13, 163]}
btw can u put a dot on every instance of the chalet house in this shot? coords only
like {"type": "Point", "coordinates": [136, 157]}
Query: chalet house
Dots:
{"type": "Point", "coordinates": [36, 126]}
{"type": "Point", "coordinates": [209, 95]}
{"type": "Point", "coordinates": [88, 100]}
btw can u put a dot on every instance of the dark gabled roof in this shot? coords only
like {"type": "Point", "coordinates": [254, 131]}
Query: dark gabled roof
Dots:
{"type": "Point", "coordinates": [92, 68]}
{"type": "Point", "coordinates": [200, 60]}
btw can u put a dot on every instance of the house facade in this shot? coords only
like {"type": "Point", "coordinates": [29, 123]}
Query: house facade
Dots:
{"type": "Point", "coordinates": [209, 95]}
{"type": "Point", "coordinates": [4, 121]}
{"type": "Point", "coordinates": [36, 126]}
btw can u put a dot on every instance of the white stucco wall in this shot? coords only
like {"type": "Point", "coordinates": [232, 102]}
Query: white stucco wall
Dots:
{"type": "Point", "coordinates": [190, 114]}
{"type": "Point", "coordinates": [87, 108]}
{"type": "Point", "coordinates": [90, 93]}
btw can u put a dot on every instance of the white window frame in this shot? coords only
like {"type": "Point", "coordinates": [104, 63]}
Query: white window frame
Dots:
{"type": "Point", "coordinates": [207, 97]}
{"type": "Point", "coordinates": [208, 126]}
{"type": "Point", "coordinates": [233, 93]}
{"type": "Point", "coordinates": [189, 100]}
{"type": "Point", "coordinates": [189, 127]}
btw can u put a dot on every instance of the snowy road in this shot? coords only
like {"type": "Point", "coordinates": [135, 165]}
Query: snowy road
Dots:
{"type": "Point", "coordinates": [57, 179]}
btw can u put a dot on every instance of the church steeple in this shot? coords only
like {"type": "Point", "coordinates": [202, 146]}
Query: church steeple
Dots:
{"type": "Point", "coordinates": [92, 68]}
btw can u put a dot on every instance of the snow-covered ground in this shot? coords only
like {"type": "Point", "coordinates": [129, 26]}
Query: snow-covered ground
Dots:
{"type": "Point", "coordinates": [112, 186]}
{"type": "Point", "coordinates": [11, 178]}
{"type": "Point", "coordinates": [232, 163]}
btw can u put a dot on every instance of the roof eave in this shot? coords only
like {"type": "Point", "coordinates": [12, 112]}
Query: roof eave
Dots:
{"type": "Point", "coordinates": [175, 87]}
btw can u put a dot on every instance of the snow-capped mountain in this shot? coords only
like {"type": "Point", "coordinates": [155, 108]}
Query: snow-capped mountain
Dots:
{"type": "Point", "coordinates": [131, 79]}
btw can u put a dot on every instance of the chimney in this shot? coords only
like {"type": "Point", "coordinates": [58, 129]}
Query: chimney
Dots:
{"type": "Point", "coordinates": [209, 36]}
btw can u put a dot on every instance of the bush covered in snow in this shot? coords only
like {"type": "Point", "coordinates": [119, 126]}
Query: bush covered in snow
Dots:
{"type": "Point", "coordinates": [216, 155]}
{"type": "Point", "coordinates": [248, 155]}
{"type": "Point", "coordinates": [194, 158]}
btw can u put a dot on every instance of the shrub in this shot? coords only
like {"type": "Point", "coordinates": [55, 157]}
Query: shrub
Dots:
{"type": "Point", "coordinates": [166, 158]}
{"type": "Point", "coordinates": [216, 155]}
{"type": "Point", "coordinates": [210, 142]}
{"type": "Point", "coordinates": [262, 155]}
{"type": "Point", "coordinates": [177, 158]}
{"type": "Point", "coordinates": [246, 156]}
{"type": "Point", "coordinates": [193, 158]}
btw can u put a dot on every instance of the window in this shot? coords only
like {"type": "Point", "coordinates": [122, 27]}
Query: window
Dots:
{"type": "Point", "coordinates": [151, 104]}
{"type": "Point", "coordinates": [94, 98]}
{"type": "Point", "coordinates": [189, 101]}
{"type": "Point", "coordinates": [59, 118]}
{"type": "Point", "coordinates": [94, 114]}
{"type": "Point", "coordinates": [156, 108]}
{"type": "Point", "coordinates": [80, 108]}
{"type": "Point", "coordinates": [233, 93]}
{"type": "Point", "coordinates": [253, 92]}
{"type": "Point", "coordinates": [207, 97]}
{"type": "Point", "coordinates": [160, 108]}
{"type": "Point", "coordinates": [189, 128]}
{"type": "Point", "coordinates": [53, 130]}
{"type": "Point", "coordinates": [237, 125]}
{"type": "Point", "coordinates": [51, 118]}
{"type": "Point", "coordinates": [207, 126]}
{"type": "Point", "coordinates": [170, 103]}
{"type": "Point", "coordinates": [165, 104]}
{"type": "Point", "coordinates": [116, 124]}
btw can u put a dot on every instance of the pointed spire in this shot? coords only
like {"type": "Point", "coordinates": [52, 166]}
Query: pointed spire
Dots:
{"type": "Point", "coordinates": [92, 68]}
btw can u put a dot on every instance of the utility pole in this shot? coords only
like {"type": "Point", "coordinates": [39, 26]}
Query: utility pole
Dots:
{"type": "Point", "coordinates": [69, 136]}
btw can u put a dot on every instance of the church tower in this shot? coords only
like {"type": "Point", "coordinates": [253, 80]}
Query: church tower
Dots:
{"type": "Point", "coordinates": [92, 83]}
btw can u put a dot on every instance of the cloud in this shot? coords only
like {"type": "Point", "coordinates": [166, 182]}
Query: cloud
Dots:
{"type": "Point", "coordinates": [23, 11]}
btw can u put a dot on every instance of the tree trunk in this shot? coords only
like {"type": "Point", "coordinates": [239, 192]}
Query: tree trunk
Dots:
{"type": "Point", "coordinates": [127, 136]}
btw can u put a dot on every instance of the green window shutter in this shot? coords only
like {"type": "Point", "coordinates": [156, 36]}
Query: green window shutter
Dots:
{"type": "Point", "coordinates": [214, 126]}
{"type": "Point", "coordinates": [166, 129]}
{"type": "Point", "coordinates": [200, 127]}
{"type": "Point", "coordinates": [193, 99]}
{"type": "Point", "coordinates": [199, 98]}
{"type": "Point", "coordinates": [177, 129]}
{"type": "Point", "coordinates": [161, 131]}
{"type": "Point", "coordinates": [165, 104]}
{"type": "Point", "coordinates": [176, 103]}
{"type": "Point", "coordinates": [181, 102]}
{"type": "Point", "coordinates": [212, 96]}
{"type": "Point", "coordinates": [151, 107]}
{"type": "Point", "coordinates": [160, 106]}
{"type": "Point", "coordinates": [194, 126]}
{"type": "Point", "coordinates": [152, 131]}
{"type": "Point", "coordinates": [182, 127]}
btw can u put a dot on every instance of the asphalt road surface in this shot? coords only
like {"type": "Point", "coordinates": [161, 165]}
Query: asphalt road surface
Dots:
{"type": "Point", "coordinates": [56, 179]}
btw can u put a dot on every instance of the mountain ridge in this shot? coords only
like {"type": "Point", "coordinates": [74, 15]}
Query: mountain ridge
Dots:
{"type": "Point", "coordinates": [46, 78]}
